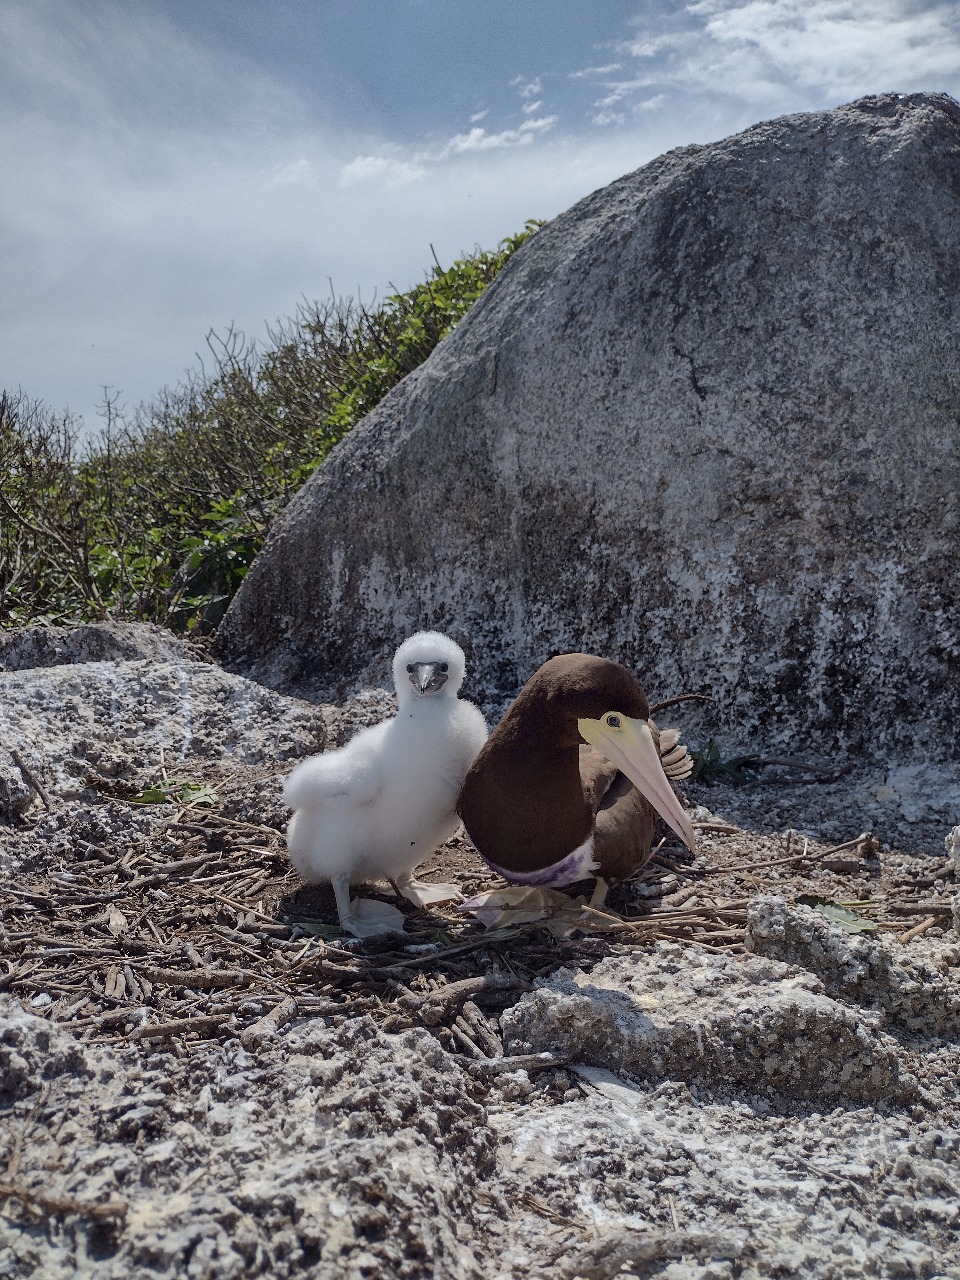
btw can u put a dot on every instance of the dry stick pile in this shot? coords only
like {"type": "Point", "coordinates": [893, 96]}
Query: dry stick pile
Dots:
{"type": "Point", "coordinates": [213, 944]}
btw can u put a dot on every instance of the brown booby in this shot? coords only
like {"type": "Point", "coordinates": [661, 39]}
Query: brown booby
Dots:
{"type": "Point", "coordinates": [570, 782]}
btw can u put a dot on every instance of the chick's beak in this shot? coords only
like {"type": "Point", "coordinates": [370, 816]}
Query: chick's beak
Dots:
{"type": "Point", "coordinates": [427, 677]}
{"type": "Point", "coordinates": [632, 749]}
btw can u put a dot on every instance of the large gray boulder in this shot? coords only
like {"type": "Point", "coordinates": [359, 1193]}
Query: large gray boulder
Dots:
{"type": "Point", "coordinates": [705, 422]}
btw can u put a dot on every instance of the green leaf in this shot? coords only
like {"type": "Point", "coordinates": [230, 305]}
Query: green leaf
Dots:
{"type": "Point", "coordinates": [177, 791]}
{"type": "Point", "coordinates": [150, 795]}
{"type": "Point", "coordinates": [709, 766]}
{"type": "Point", "coordinates": [197, 793]}
{"type": "Point", "coordinates": [848, 920]}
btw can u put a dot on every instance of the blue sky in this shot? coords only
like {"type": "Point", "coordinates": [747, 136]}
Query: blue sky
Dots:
{"type": "Point", "coordinates": [175, 166]}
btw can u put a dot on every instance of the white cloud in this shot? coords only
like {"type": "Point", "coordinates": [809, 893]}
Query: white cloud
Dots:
{"type": "Point", "coordinates": [618, 92]}
{"type": "Point", "coordinates": [479, 140]}
{"type": "Point", "coordinates": [132, 225]}
{"type": "Point", "coordinates": [772, 53]}
{"type": "Point", "coordinates": [589, 72]}
{"type": "Point", "coordinates": [527, 88]}
{"type": "Point", "coordinates": [836, 46]}
{"type": "Point", "coordinates": [299, 173]}
{"type": "Point", "coordinates": [383, 170]}
{"type": "Point", "coordinates": [647, 48]}
{"type": "Point", "coordinates": [153, 189]}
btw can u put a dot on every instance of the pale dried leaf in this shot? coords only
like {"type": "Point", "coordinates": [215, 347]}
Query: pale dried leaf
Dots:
{"type": "Point", "coordinates": [564, 924]}
{"type": "Point", "coordinates": [527, 904]}
{"type": "Point", "coordinates": [369, 911]}
{"type": "Point", "coordinates": [422, 894]}
{"type": "Point", "coordinates": [116, 921]}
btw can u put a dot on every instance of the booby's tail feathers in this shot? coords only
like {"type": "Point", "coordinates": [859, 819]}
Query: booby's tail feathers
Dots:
{"type": "Point", "coordinates": [674, 755]}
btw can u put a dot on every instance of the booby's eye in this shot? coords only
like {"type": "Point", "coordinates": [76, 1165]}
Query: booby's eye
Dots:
{"type": "Point", "coordinates": [612, 722]}
{"type": "Point", "coordinates": [444, 666]}
{"type": "Point", "coordinates": [410, 668]}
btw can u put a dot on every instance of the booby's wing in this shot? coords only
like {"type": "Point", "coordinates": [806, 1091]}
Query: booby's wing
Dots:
{"type": "Point", "coordinates": [625, 822]}
{"type": "Point", "coordinates": [623, 831]}
{"type": "Point", "coordinates": [341, 778]}
{"type": "Point", "coordinates": [597, 775]}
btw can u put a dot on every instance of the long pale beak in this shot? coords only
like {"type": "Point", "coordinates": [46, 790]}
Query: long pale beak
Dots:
{"type": "Point", "coordinates": [631, 748]}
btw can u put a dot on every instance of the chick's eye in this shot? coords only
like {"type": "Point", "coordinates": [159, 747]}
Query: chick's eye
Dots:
{"type": "Point", "coordinates": [444, 666]}
{"type": "Point", "coordinates": [613, 722]}
{"type": "Point", "coordinates": [410, 667]}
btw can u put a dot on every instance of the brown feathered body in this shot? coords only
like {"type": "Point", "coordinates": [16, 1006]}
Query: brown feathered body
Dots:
{"type": "Point", "coordinates": [541, 805]}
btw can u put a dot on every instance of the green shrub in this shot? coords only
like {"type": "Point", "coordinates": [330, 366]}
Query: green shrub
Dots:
{"type": "Point", "coordinates": [160, 515]}
{"type": "Point", "coordinates": [408, 326]}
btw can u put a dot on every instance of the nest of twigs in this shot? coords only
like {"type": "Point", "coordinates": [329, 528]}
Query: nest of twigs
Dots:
{"type": "Point", "coordinates": [218, 938]}
{"type": "Point", "coordinates": [204, 933]}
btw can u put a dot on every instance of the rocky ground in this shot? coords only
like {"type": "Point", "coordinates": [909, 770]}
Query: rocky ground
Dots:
{"type": "Point", "coordinates": [742, 1065]}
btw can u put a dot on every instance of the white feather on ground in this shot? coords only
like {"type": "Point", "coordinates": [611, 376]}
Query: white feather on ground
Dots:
{"type": "Point", "coordinates": [377, 807]}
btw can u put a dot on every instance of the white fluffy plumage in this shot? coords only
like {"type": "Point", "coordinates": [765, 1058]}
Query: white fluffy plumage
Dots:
{"type": "Point", "coordinates": [380, 805]}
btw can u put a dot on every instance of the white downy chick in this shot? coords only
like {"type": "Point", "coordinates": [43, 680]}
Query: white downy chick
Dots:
{"type": "Point", "coordinates": [377, 807]}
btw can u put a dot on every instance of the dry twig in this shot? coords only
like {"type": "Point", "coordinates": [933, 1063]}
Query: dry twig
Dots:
{"type": "Point", "coordinates": [46, 1202]}
{"type": "Point", "coordinates": [30, 779]}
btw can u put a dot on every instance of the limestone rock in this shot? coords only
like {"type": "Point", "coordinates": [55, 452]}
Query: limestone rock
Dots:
{"type": "Point", "coordinates": [28, 647]}
{"type": "Point", "coordinates": [716, 1021]}
{"type": "Point", "coordinates": [32, 1052]}
{"type": "Point", "coordinates": [951, 843]}
{"type": "Point", "coordinates": [704, 422]}
{"type": "Point", "coordinates": [58, 837]}
{"type": "Point", "coordinates": [16, 794]}
{"type": "Point", "coordinates": [339, 1153]}
{"type": "Point", "coordinates": [106, 720]}
{"type": "Point", "coordinates": [757, 1192]}
{"type": "Point", "coordinates": [917, 993]}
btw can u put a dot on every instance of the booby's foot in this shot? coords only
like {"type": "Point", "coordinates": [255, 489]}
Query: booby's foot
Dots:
{"type": "Point", "coordinates": [422, 894]}
{"type": "Point", "coordinates": [367, 918]}
{"type": "Point", "coordinates": [598, 898]}
{"type": "Point", "coordinates": [364, 917]}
